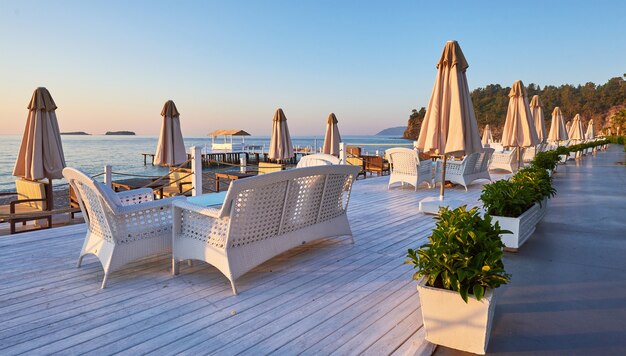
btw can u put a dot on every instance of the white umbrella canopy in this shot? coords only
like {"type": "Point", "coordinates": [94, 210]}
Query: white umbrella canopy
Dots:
{"type": "Point", "coordinates": [590, 134]}
{"type": "Point", "coordinates": [450, 126]}
{"type": "Point", "coordinates": [281, 147]}
{"type": "Point", "coordinates": [558, 131]}
{"type": "Point", "coordinates": [41, 152]}
{"type": "Point", "coordinates": [519, 127]}
{"type": "Point", "coordinates": [170, 149]}
{"type": "Point", "coordinates": [332, 137]}
{"type": "Point", "coordinates": [537, 113]}
{"type": "Point", "coordinates": [576, 132]}
{"type": "Point", "coordinates": [487, 138]}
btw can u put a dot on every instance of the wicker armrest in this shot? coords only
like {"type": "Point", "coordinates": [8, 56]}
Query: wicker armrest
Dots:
{"type": "Point", "coordinates": [141, 194]}
{"type": "Point", "coordinates": [207, 211]}
{"type": "Point", "coordinates": [136, 208]}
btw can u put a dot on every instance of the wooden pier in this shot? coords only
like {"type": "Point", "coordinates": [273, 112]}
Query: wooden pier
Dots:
{"type": "Point", "coordinates": [230, 158]}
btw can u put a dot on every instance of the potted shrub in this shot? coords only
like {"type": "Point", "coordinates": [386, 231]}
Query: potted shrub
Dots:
{"type": "Point", "coordinates": [458, 271]}
{"type": "Point", "coordinates": [546, 160]}
{"type": "Point", "coordinates": [539, 182]}
{"type": "Point", "coordinates": [518, 204]}
{"type": "Point", "coordinates": [563, 153]}
{"type": "Point", "coordinates": [513, 206]}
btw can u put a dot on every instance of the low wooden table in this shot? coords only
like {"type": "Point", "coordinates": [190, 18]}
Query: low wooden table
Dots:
{"type": "Point", "coordinates": [229, 176]}
{"type": "Point", "coordinates": [136, 183]}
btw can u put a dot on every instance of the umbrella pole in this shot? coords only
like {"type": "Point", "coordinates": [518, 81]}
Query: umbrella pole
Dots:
{"type": "Point", "coordinates": [519, 158]}
{"type": "Point", "coordinates": [443, 177]}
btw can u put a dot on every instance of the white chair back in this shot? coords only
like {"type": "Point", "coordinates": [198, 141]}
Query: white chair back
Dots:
{"type": "Point", "coordinates": [317, 159]}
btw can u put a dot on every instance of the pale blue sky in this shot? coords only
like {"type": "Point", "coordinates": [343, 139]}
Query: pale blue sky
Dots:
{"type": "Point", "coordinates": [229, 64]}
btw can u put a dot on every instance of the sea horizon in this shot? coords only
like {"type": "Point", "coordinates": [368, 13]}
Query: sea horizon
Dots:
{"type": "Point", "coordinates": [90, 153]}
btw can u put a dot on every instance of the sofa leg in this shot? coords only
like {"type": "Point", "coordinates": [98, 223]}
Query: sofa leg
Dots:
{"type": "Point", "coordinates": [174, 267]}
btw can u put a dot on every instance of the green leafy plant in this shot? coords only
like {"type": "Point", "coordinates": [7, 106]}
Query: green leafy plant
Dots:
{"type": "Point", "coordinates": [463, 254]}
{"type": "Point", "coordinates": [536, 180]}
{"type": "Point", "coordinates": [507, 198]}
{"type": "Point", "coordinates": [562, 150]}
{"type": "Point", "coordinates": [545, 160]}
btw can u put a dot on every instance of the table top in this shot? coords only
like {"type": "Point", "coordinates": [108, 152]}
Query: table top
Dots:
{"type": "Point", "coordinates": [208, 199]}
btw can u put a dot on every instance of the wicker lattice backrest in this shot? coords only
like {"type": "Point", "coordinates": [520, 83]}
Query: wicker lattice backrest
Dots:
{"type": "Point", "coordinates": [269, 205]}
{"type": "Point", "coordinates": [403, 160]}
{"type": "Point", "coordinates": [469, 163]}
{"type": "Point", "coordinates": [92, 204]}
{"type": "Point", "coordinates": [318, 159]}
{"type": "Point", "coordinates": [482, 163]}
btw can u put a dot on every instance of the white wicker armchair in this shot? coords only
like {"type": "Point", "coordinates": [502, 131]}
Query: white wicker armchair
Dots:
{"type": "Point", "coordinates": [262, 217]}
{"type": "Point", "coordinates": [317, 159]}
{"type": "Point", "coordinates": [506, 160]}
{"type": "Point", "coordinates": [121, 227]}
{"type": "Point", "coordinates": [407, 168]}
{"type": "Point", "coordinates": [473, 167]}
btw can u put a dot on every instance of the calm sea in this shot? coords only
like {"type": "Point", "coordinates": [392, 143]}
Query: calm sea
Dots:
{"type": "Point", "coordinates": [91, 153]}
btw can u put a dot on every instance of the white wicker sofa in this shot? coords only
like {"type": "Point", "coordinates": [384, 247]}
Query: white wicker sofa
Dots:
{"type": "Point", "coordinates": [406, 167]}
{"type": "Point", "coordinates": [473, 167]}
{"type": "Point", "coordinates": [121, 227]}
{"type": "Point", "coordinates": [506, 160]}
{"type": "Point", "coordinates": [262, 217]}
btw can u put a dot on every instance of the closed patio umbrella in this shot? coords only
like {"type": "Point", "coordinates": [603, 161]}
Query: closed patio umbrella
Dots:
{"type": "Point", "coordinates": [576, 131]}
{"type": "Point", "coordinates": [558, 132]}
{"type": "Point", "coordinates": [332, 137]}
{"type": "Point", "coordinates": [537, 113]}
{"type": "Point", "coordinates": [519, 127]}
{"type": "Point", "coordinates": [590, 134]}
{"type": "Point", "coordinates": [487, 138]}
{"type": "Point", "coordinates": [281, 148]}
{"type": "Point", "coordinates": [41, 152]}
{"type": "Point", "coordinates": [449, 126]}
{"type": "Point", "coordinates": [170, 149]}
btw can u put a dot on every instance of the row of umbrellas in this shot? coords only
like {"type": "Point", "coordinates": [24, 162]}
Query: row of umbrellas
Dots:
{"type": "Point", "coordinates": [41, 151]}
{"type": "Point", "coordinates": [559, 131]}
{"type": "Point", "coordinates": [450, 127]}
{"type": "Point", "coordinates": [171, 148]}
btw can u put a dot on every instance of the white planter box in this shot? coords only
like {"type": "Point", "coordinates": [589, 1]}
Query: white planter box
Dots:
{"type": "Point", "coordinates": [563, 158]}
{"type": "Point", "coordinates": [522, 227]}
{"type": "Point", "coordinates": [543, 209]}
{"type": "Point", "coordinates": [450, 322]}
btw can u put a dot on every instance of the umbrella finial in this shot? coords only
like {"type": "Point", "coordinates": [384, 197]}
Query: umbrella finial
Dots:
{"type": "Point", "coordinates": [332, 119]}
{"type": "Point", "coordinates": [170, 110]}
{"type": "Point", "coordinates": [41, 100]}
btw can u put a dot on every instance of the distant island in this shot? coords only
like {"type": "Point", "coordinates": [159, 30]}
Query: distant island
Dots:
{"type": "Point", "coordinates": [120, 133]}
{"type": "Point", "coordinates": [76, 133]}
{"type": "Point", "coordinates": [392, 131]}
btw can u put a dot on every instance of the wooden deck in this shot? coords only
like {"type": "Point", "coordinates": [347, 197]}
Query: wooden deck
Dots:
{"type": "Point", "coordinates": [321, 298]}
